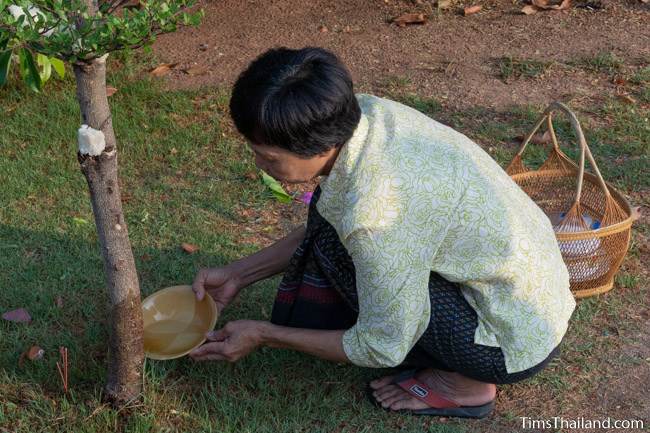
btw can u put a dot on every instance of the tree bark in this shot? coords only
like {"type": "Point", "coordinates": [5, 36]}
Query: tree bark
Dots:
{"type": "Point", "coordinates": [126, 353]}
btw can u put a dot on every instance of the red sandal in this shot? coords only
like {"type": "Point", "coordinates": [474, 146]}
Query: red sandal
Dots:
{"type": "Point", "coordinates": [439, 406]}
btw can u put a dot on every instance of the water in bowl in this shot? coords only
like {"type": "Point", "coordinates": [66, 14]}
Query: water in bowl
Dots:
{"type": "Point", "coordinates": [170, 336]}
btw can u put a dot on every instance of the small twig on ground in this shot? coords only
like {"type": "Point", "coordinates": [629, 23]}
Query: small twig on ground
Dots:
{"type": "Point", "coordinates": [63, 367]}
{"type": "Point", "coordinates": [96, 411]}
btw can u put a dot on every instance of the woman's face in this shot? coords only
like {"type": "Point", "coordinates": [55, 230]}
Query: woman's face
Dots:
{"type": "Point", "coordinates": [288, 167]}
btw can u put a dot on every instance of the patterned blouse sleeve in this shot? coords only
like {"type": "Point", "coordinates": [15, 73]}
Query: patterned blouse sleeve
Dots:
{"type": "Point", "coordinates": [392, 275]}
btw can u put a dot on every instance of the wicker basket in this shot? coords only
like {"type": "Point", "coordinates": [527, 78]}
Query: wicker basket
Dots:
{"type": "Point", "coordinates": [592, 220]}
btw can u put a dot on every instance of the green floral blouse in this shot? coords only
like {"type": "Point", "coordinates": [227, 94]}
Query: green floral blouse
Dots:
{"type": "Point", "coordinates": [407, 196]}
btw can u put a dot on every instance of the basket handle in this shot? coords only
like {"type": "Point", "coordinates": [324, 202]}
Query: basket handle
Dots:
{"type": "Point", "coordinates": [582, 143]}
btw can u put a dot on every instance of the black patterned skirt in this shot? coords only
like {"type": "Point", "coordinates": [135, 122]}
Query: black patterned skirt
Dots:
{"type": "Point", "coordinates": [318, 291]}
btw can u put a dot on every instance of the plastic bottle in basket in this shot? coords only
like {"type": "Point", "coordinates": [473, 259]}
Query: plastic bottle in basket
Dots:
{"type": "Point", "coordinates": [581, 247]}
{"type": "Point", "coordinates": [580, 255]}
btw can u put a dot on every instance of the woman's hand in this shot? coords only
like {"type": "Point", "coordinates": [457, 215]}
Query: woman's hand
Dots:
{"type": "Point", "coordinates": [222, 284]}
{"type": "Point", "coordinates": [232, 342]}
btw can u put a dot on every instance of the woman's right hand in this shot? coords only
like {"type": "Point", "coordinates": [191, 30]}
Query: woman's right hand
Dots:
{"type": "Point", "coordinates": [222, 284]}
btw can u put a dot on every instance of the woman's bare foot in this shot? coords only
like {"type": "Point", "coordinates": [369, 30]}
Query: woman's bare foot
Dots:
{"type": "Point", "coordinates": [453, 386]}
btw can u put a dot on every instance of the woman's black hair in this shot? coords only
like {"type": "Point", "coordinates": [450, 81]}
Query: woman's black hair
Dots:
{"type": "Point", "coordinates": [300, 100]}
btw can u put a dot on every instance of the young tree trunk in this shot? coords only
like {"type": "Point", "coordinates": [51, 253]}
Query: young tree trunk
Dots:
{"type": "Point", "coordinates": [125, 343]}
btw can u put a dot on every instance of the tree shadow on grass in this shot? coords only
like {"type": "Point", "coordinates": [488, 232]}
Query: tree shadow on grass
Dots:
{"type": "Point", "coordinates": [270, 390]}
{"type": "Point", "coordinates": [59, 279]}
{"type": "Point", "coordinates": [37, 268]}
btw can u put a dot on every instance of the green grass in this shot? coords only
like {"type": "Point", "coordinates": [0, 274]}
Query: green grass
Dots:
{"type": "Point", "coordinates": [183, 174]}
{"type": "Point", "coordinates": [641, 77]}
{"type": "Point", "coordinates": [513, 68]}
{"type": "Point", "coordinates": [396, 81]}
{"type": "Point", "coordinates": [428, 106]}
{"type": "Point", "coordinates": [603, 62]}
{"type": "Point", "coordinates": [632, 78]}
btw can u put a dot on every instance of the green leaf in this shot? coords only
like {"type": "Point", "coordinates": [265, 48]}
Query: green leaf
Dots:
{"type": "Point", "coordinates": [80, 221]}
{"type": "Point", "coordinates": [46, 67]}
{"type": "Point", "coordinates": [58, 66]}
{"type": "Point", "coordinates": [282, 197]}
{"type": "Point", "coordinates": [276, 188]}
{"type": "Point", "coordinates": [29, 71]}
{"type": "Point", "coordinates": [5, 63]}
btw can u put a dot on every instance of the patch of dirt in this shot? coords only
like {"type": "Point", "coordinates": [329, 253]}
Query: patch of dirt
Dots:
{"type": "Point", "coordinates": [263, 227]}
{"type": "Point", "coordinates": [617, 389]}
{"type": "Point", "coordinates": [451, 57]}
{"type": "Point", "coordinates": [626, 395]}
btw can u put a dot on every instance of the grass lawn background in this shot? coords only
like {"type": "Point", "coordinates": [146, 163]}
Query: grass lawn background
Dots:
{"type": "Point", "coordinates": [185, 178]}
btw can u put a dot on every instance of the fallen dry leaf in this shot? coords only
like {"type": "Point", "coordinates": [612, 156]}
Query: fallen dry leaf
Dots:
{"type": "Point", "coordinates": [189, 248]}
{"type": "Point", "coordinates": [162, 69]}
{"type": "Point", "coordinates": [619, 81]}
{"type": "Point", "coordinates": [529, 10]}
{"type": "Point", "coordinates": [444, 4]}
{"type": "Point", "coordinates": [323, 29]}
{"type": "Point", "coordinates": [110, 91]}
{"type": "Point", "coordinates": [574, 369]}
{"type": "Point", "coordinates": [33, 353]}
{"type": "Point", "coordinates": [591, 5]}
{"type": "Point", "coordinates": [538, 138]}
{"type": "Point", "coordinates": [470, 10]}
{"type": "Point", "coordinates": [58, 302]}
{"type": "Point", "coordinates": [196, 70]}
{"type": "Point", "coordinates": [132, 4]}
{"type": "Point", "coordinates": [413, 18]}
{"type": "Point", "coordinates": [19, 315]}
{"type": "Point", "coordinates": [558, 5]}
{"type": "Point", "coordinates": [627, 99]}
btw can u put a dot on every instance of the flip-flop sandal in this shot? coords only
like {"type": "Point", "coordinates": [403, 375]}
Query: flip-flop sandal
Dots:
{"type": "Point", "coordinates": [439, 406]}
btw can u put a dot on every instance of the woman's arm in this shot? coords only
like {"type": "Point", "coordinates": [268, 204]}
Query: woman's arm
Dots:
{"type": "Point", "coordinates": [237, 339]}
{"type": "Point", "coordinates": [270, 260]}
{"type": "Point", "coordinates": [224, 283]}
{"type": "Point", "coordinates": [324, 344]}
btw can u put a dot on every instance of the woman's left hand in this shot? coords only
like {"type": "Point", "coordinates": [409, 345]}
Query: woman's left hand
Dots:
{"type": "Point", "coordinates": [230, 343]}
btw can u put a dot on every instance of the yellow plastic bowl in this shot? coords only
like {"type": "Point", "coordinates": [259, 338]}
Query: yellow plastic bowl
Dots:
{"type": "Point", "coordinates": [175, 323]}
